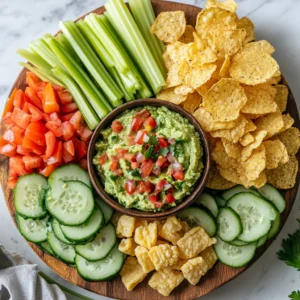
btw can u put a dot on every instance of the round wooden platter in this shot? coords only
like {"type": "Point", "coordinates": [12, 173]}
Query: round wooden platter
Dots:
{"type": "Point", "coordinates": [216, 277]}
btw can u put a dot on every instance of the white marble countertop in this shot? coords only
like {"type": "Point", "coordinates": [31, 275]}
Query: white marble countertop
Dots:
{"type": "Point", "coordinates": [276, 20]}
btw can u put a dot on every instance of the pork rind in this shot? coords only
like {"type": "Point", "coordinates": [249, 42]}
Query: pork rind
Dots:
{"type": "Point", "coordinates": [142, 255]}
{"type": "Point", "coordinates": [170, 230]}
{"type": "Point", "coordinates": [164, 256]}
{"type": "Point", "coordinates": [146, 236]}
{"type": "Point", "coordinates": [127, 246]}
{"type": "Point", "coordinates": [194, 269]}
{"type": "Point", "coordinates": [126, 226]}
{"type": "Point", "coordinates": [209, 256]}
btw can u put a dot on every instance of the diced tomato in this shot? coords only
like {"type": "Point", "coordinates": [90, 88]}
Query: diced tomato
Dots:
{"type": "Point", "coordinates": [68, 130]}
{"type": "Point", "coordinates": [130, 187]}
{"type": "Point", "coordinates": [48, 170]}
{"type": "Point", "coordinates": [7, 118]}
{"type": "Point", "coordinates": [21, 118]}
{"type": "Point", "coordinates": [130, 140]}
{"type": "Point", "coordinates": [158, 204]}
{"type": "Point", "coordinates": [56, 157]}
{"type": "Point", "coordinates": [149, 123]}
{"type": "Point", "coordinates": [17, 163]}
{"type": "Point", "coordinates": [8, 150]}
{"type": "Point", "coordinates": [54, 116]}
{"type": "Point", "coordinates": [67, 117]}
{"type": "Point", "coordinates": [135, 165]}
{"type": "Point", "coordinates": [23, 151]}
{"type": "Point", "coordinates": [139, 139]}
{"type": "Point", "coordinates": [67, 157]}
{"type": "Point", "coordinates": [68, 108]}
{"type": "Point", "coordinates": [103, 159]}
{"type": "Point", "coordinates": [80, 149]}
{"type": "Point", "coordinates": [9, 106]}
{"type": "Point", "coordinates": [69, 146]}
{"type": "Point", "coordinates": [165, 164]}
{"type": "Point", "coordinates": [76, 119]}
{"type": "Point", "coordinates": [160, 185]}
{"type": "Point", "coordinates": [170, 198]}
{"type": "Point", "coordinates": [163, 143]}
{"type": "Point", "coordinates": [33, 98]}
{"type": "Point", "coordinates": [136, 124]}
{"type": "Point", "coordinates": [147, 167]}
{"type": "Point", "coordinates": [153, 198]}
{"type": "Point", "coordinates": [117, 126]}
{"type": "Point", "coordinates": [83, 163]}
{"type": "Point", "coordinates": [37, 115]}
{"type": "Point", "coordinates": [114, 164]}
{"type": "Point", "coordinates": [143, 114]}
{"type": "Point", "coordinates": [84, 132]}
{"type": "Point", "coordinates": [50, 104]}
{"type": "Point", "coordinates": [12, 181]}
{"type": "Point", "coordinates": [26, 108]}
{"type": "Point", "coordinates": [141, 187]}
{"type": "Point", "coordinates": [36, 132]}
{"type": "Point", "coordinates": [50, 143]}
{"type": "Point", "coordinates": [55, 127]}
{"type": "Point", "coordinates": [129, 157]}
{"type": "Point", "coordinates": [29, 144]}
{"type": "Point", "coordinates": [160, 161]}
{"type": "Point", "coordinates": [65, 97]}
{"type": "Point", "coordinates": [149, 186]}
{"type": "Point", "coordinates": [32, 161]}
{"type": "Point", "coordinates": [19, 99]}
{"type": "Point", "coordinates": [178, 175]}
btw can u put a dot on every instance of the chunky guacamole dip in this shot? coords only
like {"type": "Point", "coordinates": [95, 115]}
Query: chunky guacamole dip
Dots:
{"type": "Point", "coordinates": [149, 159]}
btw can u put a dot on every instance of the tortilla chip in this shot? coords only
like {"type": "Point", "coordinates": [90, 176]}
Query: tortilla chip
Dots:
{"type": "Point", "coordinates": [259, 136]}
{"type": "Point", "coordinates": [259, 182]}
{"type": "Point", "coordinates": [284, 177]}
{"type": "Point", "coordinates": [259, 46]}
{"type": "Point", "coordinates": [276, 153]}
{"type": "Point", "coordinates": [169, 95]}
{"type": "Point", "coordinates": [291, 139]}
{"type": "Point", "coordinates": [229, 5]}
{"type": "Point", "coordinates": [232, 150]}
{"type": "Point", "coordinates": [183, 90]}
{"type": "Point", "coordinates": [221, 158]}
{"type": "Point", "coordinates": [230, 174]}
{"type": "Point", "coordinates": [288, 122]}
{"type": "Point", "coordinates": [247, 139]}
{"type": "Point", "coordinates": [224, 71]}
{"type": "Point", "coordinates": [192, 102]}
{"type": "Point", "coordinates": [281, 96]}
{"type": "Point", "coordinates": [260, 99]}
{"type": "Point", "coordinates": [169, 26]}
{"type": "Point", "coordinates": [216, 181]}
{"type": "Point", "coordinates": [246, 23]}
{"type": "Point", "coordinates": [224, 100]}
{"type": "Point", "coordinates": [173, 78]}
{"type": "Point", "coordinates": [187, 36]}
{"type": "Point", "coordinates": [204, 88]}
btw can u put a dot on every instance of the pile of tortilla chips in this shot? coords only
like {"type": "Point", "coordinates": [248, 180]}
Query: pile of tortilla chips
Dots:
{"type": "Point", "coordinates": [230, 82]}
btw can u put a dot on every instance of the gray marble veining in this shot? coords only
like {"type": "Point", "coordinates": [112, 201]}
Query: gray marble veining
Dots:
{"type": "Point", "coordinates": [276, 20]}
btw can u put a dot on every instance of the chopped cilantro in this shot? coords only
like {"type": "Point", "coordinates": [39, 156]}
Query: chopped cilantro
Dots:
{"type": "Point", "coordinates": [135, 173]}
{"type": "Point", "coordinates": [150, 152]}
{"type": "Point", "coordinates": [178, 149]}
{"type": "Point", "coordinates": [172, 149]}
{"type": "Point", "coordinates": [114, 138]}
{"type": "Point", "coordinates": [178, 185]}
{"type": "Point", "coordinates": [113, 177]}
{"type": "Point", "coordinates": [153, 140]}
{"type": "Point", "coordinates": [295, 295]}
{"type": "Point", "coordinates": [164, 151]}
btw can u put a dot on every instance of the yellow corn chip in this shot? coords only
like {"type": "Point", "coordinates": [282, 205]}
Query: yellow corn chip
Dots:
{"type": "Point", "coordinates": [224, 71]}
{"type": "Point", "coordinates": [281, 97]}
{"type": "Point", "coordinates": [259, 182]}
{"type": "Point", "coordinates": [192, 102]}
{"type": "Point", "coordinates": [233, 150]}
{"type": "Point", "coordinates": [246, 23]}
{"type": "Point", "coordinates": [275, 153]}
{"type": "Point", "coordinates": [187, 36]}
{"type": "Point", "coordinates": [258, 46]}
{"type": "Point", "coordinates": [171, 96]}
{"type": "Point", "coordinates": [291, 139]}
{"type": "Point", "coordinates": [204, 88]}
{"type": "Point", "coordinates": [183, 90]}
{"type": "Point", "coordinates": [247, 139]}
{"type": "Point", "coordinates": [288, 122]}
{"type": "Point", "coordinates": [229, 5]}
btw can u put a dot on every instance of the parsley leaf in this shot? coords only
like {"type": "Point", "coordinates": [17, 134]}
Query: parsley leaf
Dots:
{"type": "Point", "coordinates": [178, 149]}
{"type": "Point", "coordinates": [135, 173]}
{"type": "Point", "coordinates": [172, 149]}
{"type": "Point", "coordinates": [295, 295]}
{"type": "Point", "coordinates": [290, 252]}
{"type": "Point", "coordinates": [153, 140]}
{"type": "Point", "coordinates": [150, 152]}
{"type": "Point", "coordinates": [164, 151]}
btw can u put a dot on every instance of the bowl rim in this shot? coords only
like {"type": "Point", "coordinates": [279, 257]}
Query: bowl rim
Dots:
{"type": "Point", "coordinates": [199, 186]}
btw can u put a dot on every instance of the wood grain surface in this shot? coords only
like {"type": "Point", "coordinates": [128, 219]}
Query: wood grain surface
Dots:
{"type": "Point", "coordinates": [215, 278]}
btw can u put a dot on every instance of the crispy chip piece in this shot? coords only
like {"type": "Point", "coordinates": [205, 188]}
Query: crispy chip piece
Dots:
{"type": "Point", "coordinates": [209, 256]}
{"type": "Point", "coordinates": [224, 71]}
{"type": "Point", "coordinates": [132, 273]}
{"type": "Point", "coordinates": [204, 88]}
{"type": "Point", "coordinates": [173, 78]}
{"type": "Point", "coordinates": [260, 99]}
{"type": "Point", "coordinates": [229, 5]}
{"type": "Point", "coordinates": [224, 100]}
{"type": "Point", "coordinates": [179, 264]}
{"type": "Point", "coordinates": [192, 102]}
{"type": "Point", "coordinates": [252, 67]}
{"type": "Point", "coordinates": [220, 156]}
{"type": "Point", "coordinates": [125, 227]}
{"type": "Point", "coordinates": [272, 123]}
{"type": "Point", "coordinates": [230, 173]}
{"type": "Point", "coordinates": [281, 97]}
{"type": "Point", "coordinates": [140, 222]}
{"type": "Point", "coordinates": [246, 23]}
{"type": "Point", "coordinates": [275, 153]}
{"type": "Point", "coordinates": [260, 46]}
{"type": "Point", "coordinates": [193, 242]}
{"type": "Point", "coordinates": [274, 80]}
{"type": "Point", "coordinates": [185, 227]}
{"type": "Point", "coordinates": [164, 256]}
{"type": "Point", "coordinates": [256, 163]}
{"type": "Point", "coordinates": [284, 177]}
{"type": "Point", "coordinates": [232, 150]}
{"type": "Point", "coordinates": [169, 26]}
{"type": "Point", "coordinates": [195, 75]}
{"type": "Point", "coordinates": [216, 181]}
{"type": "Point", "coordinates": [127, 246]}
{"type": "Point", "coordinates": [288, 122]}
{"type": "Point", "coordinates": [259, 182]}
{"type": "Point", "coordinates": [146, 236]}
{"type": "Point", "coordinates": [142, 255]}
{"type": "Point", "coordinates": [187, 36]}
{"type": "Point", "coordinates": [259, 136]}
{"type": "Point", "coordinates": [170, 231]}
{"type": "Point", "coordinates": [171, 96]}
{"type": "Point", "coordinates": [291, 139]}
{"type": "Point", "coordinates": [194, 269]}
{"type": "Point", "coordinates": [165, 281]}
{"type": "Point", "coordinates": [183, 90]}
{"type": "Point", "coordinates": [115, 218]}
{"type": "Point", "coordinates": [247, 139]}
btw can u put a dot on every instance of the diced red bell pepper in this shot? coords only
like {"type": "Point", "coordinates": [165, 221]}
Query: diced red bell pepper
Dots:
{"type": "Point", "coordinates": [117, 126]}
{"type": "Point", "coordinates": [32, 80]}
{"type": "Point", "coordinates": [55, 127]}
{"type": "Point", "coordinates": [17, 163]}
{"type": "Point", "coordinates": [8, 150]}
{"type": "Point", "coordinates": [83, 163]}
{"type": "Point", "coordinates": [130, 187]}
{"type": "Point", "coordinates": [50, 143]}
{"type": "Point", "coordinates": [80, 148]}
{"type": "Point", "coordinates": [54, 117]}
{"type": "Point", "coordinates": [50, 104]}
{"type": "Point", "coordinates": [48, 170]}
{"type": "Point", "coordinates": [46, 117]}
{"type": "Point", "coordinates": [69, 147]}
{"type": "Point", "coordinates": [19, 99]}
{"type": "Point", "coordinates": [32, 162]}
{"type": "Point", "coordinates": [36, 132]}
{"type": "Point", "coordinates": [178, 175]}
{"type": "Point", "coordinates": [33, 98]}
{"type": "Point", "coordinates": [68, 130]}
{"type": "Point", "coordinates": [84, 132]}
{"type": "Point", "coordinates": [23, 151]}
{"type": "Point", "coordinates": [14, 135]}
{"type": "Point", "coordinates": [56, 157]}
{"type": "Point", "coordinates": [68, 108]}
{"type": "Point", "coordinates": [12, 181]}
{"type": "Point", "coordinates": [21, 118]}
{"type": "Point", "coordinates": [67, 157]}
{"type": "Point", "coordinates": [37, 115]}
{"type": "Point", "coordinates": [76, 119]}
{"type": "Point", "coordinates": [7, 119]}
{"type": "Point", "coordinates": [29, 144]}
{"type": "Point", "coordinates": [65, 97]}
{"type": "Point", "coordinates": [67, 117]}
{"type": "Point", "coordinates": [2, 141]}
{"type": "Point", "coordinates": [147, 167]}
{"type": "Point", "coordinates": [9, 106]}
{"type": "Point", "coordinates": [57, 88]}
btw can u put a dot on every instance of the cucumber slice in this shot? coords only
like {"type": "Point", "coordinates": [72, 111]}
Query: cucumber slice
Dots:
{"type": "Point", "coordinates": [46, 248]}
{"type": "Point", "coordinates": [262, 241]}
{"type": "Point", "coordinates": [104, 269]}
{"type": "Point", "coordinates": [256, 215]}
{"type": "Point", "coordinates": [220, 201]}
{"type": "Point", "coordinates": [196, 216]}
{"type": "Point", "coordinates": [33, 230]}
{"type": "Point", "coordinates": [106, 209]}
{"type": "Point", "coordinates": [58, 232]}
{"type": "Point", "coordinates": [64, 252]}
{"type": "Point", "coordinates": [29, 196]}
{"type": "Point", "coordinates": [100, 246]}
{"type": "Point", "coordinates": [237, 242]}
{"type": "Point", "coordinates": [275, 226]}
{"type": "Point", "coordinates": [209, 202]}
{"type": "Point", "coordinates": [67, 173]}
{"type": "Point", "coordinates": [234, 256]}
{"type": "Point", "coordinates": [229, 224]}
{"type": "Point", "coordinates": [87, 230]}
{"type": "Point", "coordinates": [71, 203]}
{"type": "Point", "coordinates": [238, 189]}
{"type": "Point", "coordinates": [271, 194]}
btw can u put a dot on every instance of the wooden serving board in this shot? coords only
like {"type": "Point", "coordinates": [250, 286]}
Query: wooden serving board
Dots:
{"type": "Point", "coordinates": [215, 278]}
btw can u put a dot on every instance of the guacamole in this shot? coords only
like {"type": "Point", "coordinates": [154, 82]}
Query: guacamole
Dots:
{"type": "Point", "coordinates": [149, 158]}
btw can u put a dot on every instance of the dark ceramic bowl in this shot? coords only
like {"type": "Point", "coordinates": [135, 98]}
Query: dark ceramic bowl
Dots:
{"type": "Point", "coordinates": [111, 201]}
